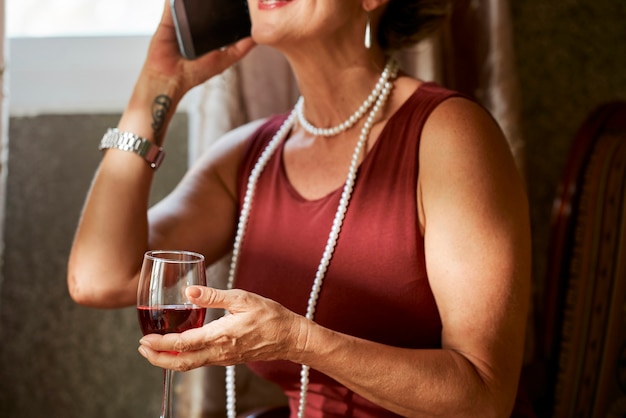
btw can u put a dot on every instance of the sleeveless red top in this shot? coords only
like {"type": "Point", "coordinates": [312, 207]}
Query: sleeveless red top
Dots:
{"type": "Point", "coordinates": [376, 286]}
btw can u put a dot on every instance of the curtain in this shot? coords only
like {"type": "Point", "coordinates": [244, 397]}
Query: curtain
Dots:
{"type": "Point", "coordinates": [473, 54]}
{"type": "Point", "coordinates": [479, 60]}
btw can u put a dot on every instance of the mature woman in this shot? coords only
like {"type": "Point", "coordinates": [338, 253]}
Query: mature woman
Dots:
{"type": "Point", "coordinates": [381, 265]}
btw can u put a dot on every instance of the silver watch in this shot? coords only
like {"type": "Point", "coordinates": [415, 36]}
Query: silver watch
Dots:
{"type": "Point", "coordinates": [128, 141]}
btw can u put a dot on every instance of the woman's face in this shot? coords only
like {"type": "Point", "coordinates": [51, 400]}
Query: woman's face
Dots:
{"type": "Point", "coordinates": [298, 22]}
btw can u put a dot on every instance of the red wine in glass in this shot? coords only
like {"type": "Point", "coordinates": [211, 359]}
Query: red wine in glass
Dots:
{"type": "Point", "coordinates": [162, 306]}
{"type": "Point", "coordinates": [170, 318]}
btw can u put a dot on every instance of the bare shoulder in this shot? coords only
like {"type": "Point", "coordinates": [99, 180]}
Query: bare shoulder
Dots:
{"type": "Point", "coordinates": [223, 157]}
{"type": "Point", "coordinates": [464, 125]}
{"type": "Point", "coordinates": [231, 145]}
{"type": "Point", "coordinates": [462, 136]}
{"type": "Point", "coordinates": [465, 159]}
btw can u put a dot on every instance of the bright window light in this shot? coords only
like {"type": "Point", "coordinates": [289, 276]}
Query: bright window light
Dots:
{"type": "Point", "coordinates": [53, 18]}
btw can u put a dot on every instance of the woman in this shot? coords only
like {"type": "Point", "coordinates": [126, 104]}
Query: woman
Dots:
{"type": "Point", "coordinates": [404, 232]}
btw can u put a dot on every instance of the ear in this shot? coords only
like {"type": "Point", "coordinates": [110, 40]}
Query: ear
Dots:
{"type": "Point", "coordinates": [370, 5]}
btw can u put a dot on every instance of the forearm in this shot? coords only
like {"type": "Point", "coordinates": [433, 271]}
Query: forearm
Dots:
{"type": "Point", "coordinates": [409, 382]}
{"type": "Point", "coordinates": [113, 231]}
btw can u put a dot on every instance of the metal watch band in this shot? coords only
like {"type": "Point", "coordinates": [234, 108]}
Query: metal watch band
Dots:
{"type": "Point", "coordinates": [128, 141]}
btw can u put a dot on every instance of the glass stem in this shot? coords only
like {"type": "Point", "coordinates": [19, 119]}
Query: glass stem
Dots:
{"type": "Point", "coordinates": [166, 406]}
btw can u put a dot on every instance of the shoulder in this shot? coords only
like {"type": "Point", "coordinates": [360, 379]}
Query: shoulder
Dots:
{"type": "Point", "coordinates": [415, 100]}
{"type": "Point", "coordinates": [466, 161]}
{"type": "Point", "coordinates": [459, 129]}
{"type": "Point", "coordinates": [225, 154]}
{"type": "Point", "coordinates": [221, 161]}
{"type": "Point", "coordinates": [232, 144]}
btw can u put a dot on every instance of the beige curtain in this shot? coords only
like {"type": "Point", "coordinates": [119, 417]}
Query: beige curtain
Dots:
{"type": "Point", "coordinates": [473, 54]}
{"type": "Point", "coordinates": [479, 60]}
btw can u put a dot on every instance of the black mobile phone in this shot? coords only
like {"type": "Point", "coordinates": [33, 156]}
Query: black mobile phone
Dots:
{"type": "Point", "coordinates": [205, 25]}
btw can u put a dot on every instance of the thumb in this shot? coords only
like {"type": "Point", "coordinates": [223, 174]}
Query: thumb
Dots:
{"type": "Point", "coordinates": [209, 297]}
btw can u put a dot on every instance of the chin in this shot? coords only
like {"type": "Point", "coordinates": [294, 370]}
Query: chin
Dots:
{"type": "Point", "coordinates": [266, 35]}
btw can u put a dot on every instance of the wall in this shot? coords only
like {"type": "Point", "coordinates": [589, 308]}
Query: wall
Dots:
{"type": "Point", "coordinates": [58, 359]}
{"type": "Point", "coordinates": [571, 56]}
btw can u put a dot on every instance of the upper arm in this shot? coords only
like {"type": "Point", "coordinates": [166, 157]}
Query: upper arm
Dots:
{"type": "Point", "coordinates": [200, 213]}
{"type": "Point", "coordinates": [477, 238]}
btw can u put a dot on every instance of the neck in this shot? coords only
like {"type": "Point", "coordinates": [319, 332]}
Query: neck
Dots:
{"type": "Point", "coordinates": [346, 124]}
{"type": "Point", "coordinates": [333, 87]}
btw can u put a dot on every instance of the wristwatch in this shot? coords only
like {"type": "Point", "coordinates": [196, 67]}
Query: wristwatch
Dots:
{"type": "Point", "coordinates": [128, 141]}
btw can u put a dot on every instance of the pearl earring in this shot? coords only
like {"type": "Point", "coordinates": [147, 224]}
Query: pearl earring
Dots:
{"type": "Point", "coordinates": [368, 32]}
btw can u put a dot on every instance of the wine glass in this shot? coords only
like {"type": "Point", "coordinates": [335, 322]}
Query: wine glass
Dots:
{"type": "Point", "coordinates": [162, 306]}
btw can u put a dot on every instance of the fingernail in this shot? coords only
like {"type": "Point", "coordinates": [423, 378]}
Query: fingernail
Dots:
{"type": "Point", "coordinates": [145, 342]}
{"type": "Point", "coordinates": [142, 351]}
{"type": "Point", "coordinates": [194, 292]}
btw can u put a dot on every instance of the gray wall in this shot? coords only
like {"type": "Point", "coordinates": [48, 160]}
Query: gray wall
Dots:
{"type": "Point", "coordinates": [571, 57]}
{"type": "Point", "coordinates": [61, 360]}
{"type": "Point", "coordinates": [58, 359]}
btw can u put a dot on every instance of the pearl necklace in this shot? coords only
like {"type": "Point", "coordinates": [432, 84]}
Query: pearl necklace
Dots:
{"type": "Point", "coordinates": [383, 93]}
{"type": "Point", "coordinates": [354, 118]}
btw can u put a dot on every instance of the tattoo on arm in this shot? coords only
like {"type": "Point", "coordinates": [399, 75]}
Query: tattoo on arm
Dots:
{"type": "Point", "coordinates": [160, 109]}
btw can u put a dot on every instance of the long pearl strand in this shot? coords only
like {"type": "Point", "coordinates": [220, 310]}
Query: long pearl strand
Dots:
{"type": "Point", "coordinates": [354, 118]}
{"type": "Point", "coordinates": [383, 93]}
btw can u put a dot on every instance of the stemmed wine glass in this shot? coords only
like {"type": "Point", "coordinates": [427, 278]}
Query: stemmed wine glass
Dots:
{"type": "Point", "coordinates": [162, 306]}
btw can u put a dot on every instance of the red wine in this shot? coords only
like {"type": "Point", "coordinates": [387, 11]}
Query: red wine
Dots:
{"type": "Point", "coordinates": [169, 318]}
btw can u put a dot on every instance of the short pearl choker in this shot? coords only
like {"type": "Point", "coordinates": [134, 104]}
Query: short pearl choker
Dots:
{"type": "Point", "coordinates": [378, 103]}
{"type": "Point", "coordinates": [354, 118]}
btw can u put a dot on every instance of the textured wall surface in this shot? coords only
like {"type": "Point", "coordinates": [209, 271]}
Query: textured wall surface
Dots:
{"type": "Point", "coordinates": [58, 359]}
{"type": "Point", "coordinates": [571, 56]}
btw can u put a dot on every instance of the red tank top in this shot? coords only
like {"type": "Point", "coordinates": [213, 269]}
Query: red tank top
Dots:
{"type": "Point", "coordinates": [376, 286]}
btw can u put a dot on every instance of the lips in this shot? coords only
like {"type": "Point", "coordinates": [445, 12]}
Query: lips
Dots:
{"type": "Point", "coordinates": [272, 4]}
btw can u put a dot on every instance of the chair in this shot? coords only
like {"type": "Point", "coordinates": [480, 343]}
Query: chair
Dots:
{"type": "Point", "coordinates": [582, 320]}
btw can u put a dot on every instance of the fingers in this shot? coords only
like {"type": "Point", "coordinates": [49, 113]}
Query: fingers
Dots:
{"type": "Point", "coordinates": [195, 339]}
{"type": "Point", "coordinates": [166, 16]}
{"type": "Point", "coordinates": [174, 342]}
{"type": "Point", "coordinates": [254, 330]}
{"type": "Point", "coordinates": [179, 352]}
{"type": "Point", "coordinates": [181, 362]}
{"type": "Point", "coordinates": [221, 59]}
{"type": "Point", "coordinates": [191, 349]}
{"type": "Point", "coordinates": [208, 297]}
{"type": "Point", "coordinates": [240, 48]}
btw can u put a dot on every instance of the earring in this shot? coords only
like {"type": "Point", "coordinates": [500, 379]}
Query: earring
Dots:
{"type": "Point", "coordinates": [368, 32]}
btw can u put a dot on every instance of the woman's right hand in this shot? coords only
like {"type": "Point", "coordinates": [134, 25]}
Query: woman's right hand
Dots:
{"type": "Point", "coordinates": [164, 59]}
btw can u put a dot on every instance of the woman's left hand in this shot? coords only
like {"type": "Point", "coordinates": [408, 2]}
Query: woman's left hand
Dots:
{"type": "Point", "coordinates": [257, 329]}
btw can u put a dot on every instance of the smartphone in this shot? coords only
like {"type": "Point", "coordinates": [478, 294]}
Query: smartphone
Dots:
{"type": "Point", "coordinates": [205, 25]}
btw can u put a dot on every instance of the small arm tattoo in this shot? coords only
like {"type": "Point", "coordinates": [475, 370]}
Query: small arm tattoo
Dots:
{"type": "Point", "coordinates": [160, 108]}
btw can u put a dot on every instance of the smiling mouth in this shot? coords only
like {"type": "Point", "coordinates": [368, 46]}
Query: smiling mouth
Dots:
{"type": "Point", "coordinates": [271, 4]}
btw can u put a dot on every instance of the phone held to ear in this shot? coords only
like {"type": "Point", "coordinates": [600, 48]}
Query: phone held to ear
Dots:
{"type": "Point", "coordinates": [205, 25]}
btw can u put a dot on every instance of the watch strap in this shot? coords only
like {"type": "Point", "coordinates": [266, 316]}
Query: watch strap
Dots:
{"type": "Point", "coordinates": [128, 141]}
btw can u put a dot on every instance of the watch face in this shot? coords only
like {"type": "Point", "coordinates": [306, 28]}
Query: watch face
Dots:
{"type": "Point", "coordinates": [150, 152]}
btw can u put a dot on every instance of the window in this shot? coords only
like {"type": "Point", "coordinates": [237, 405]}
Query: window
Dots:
{"type": "Point", "coordinates": [45, 18]}
{"type": "Point", "coordinates": [76, 56]}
